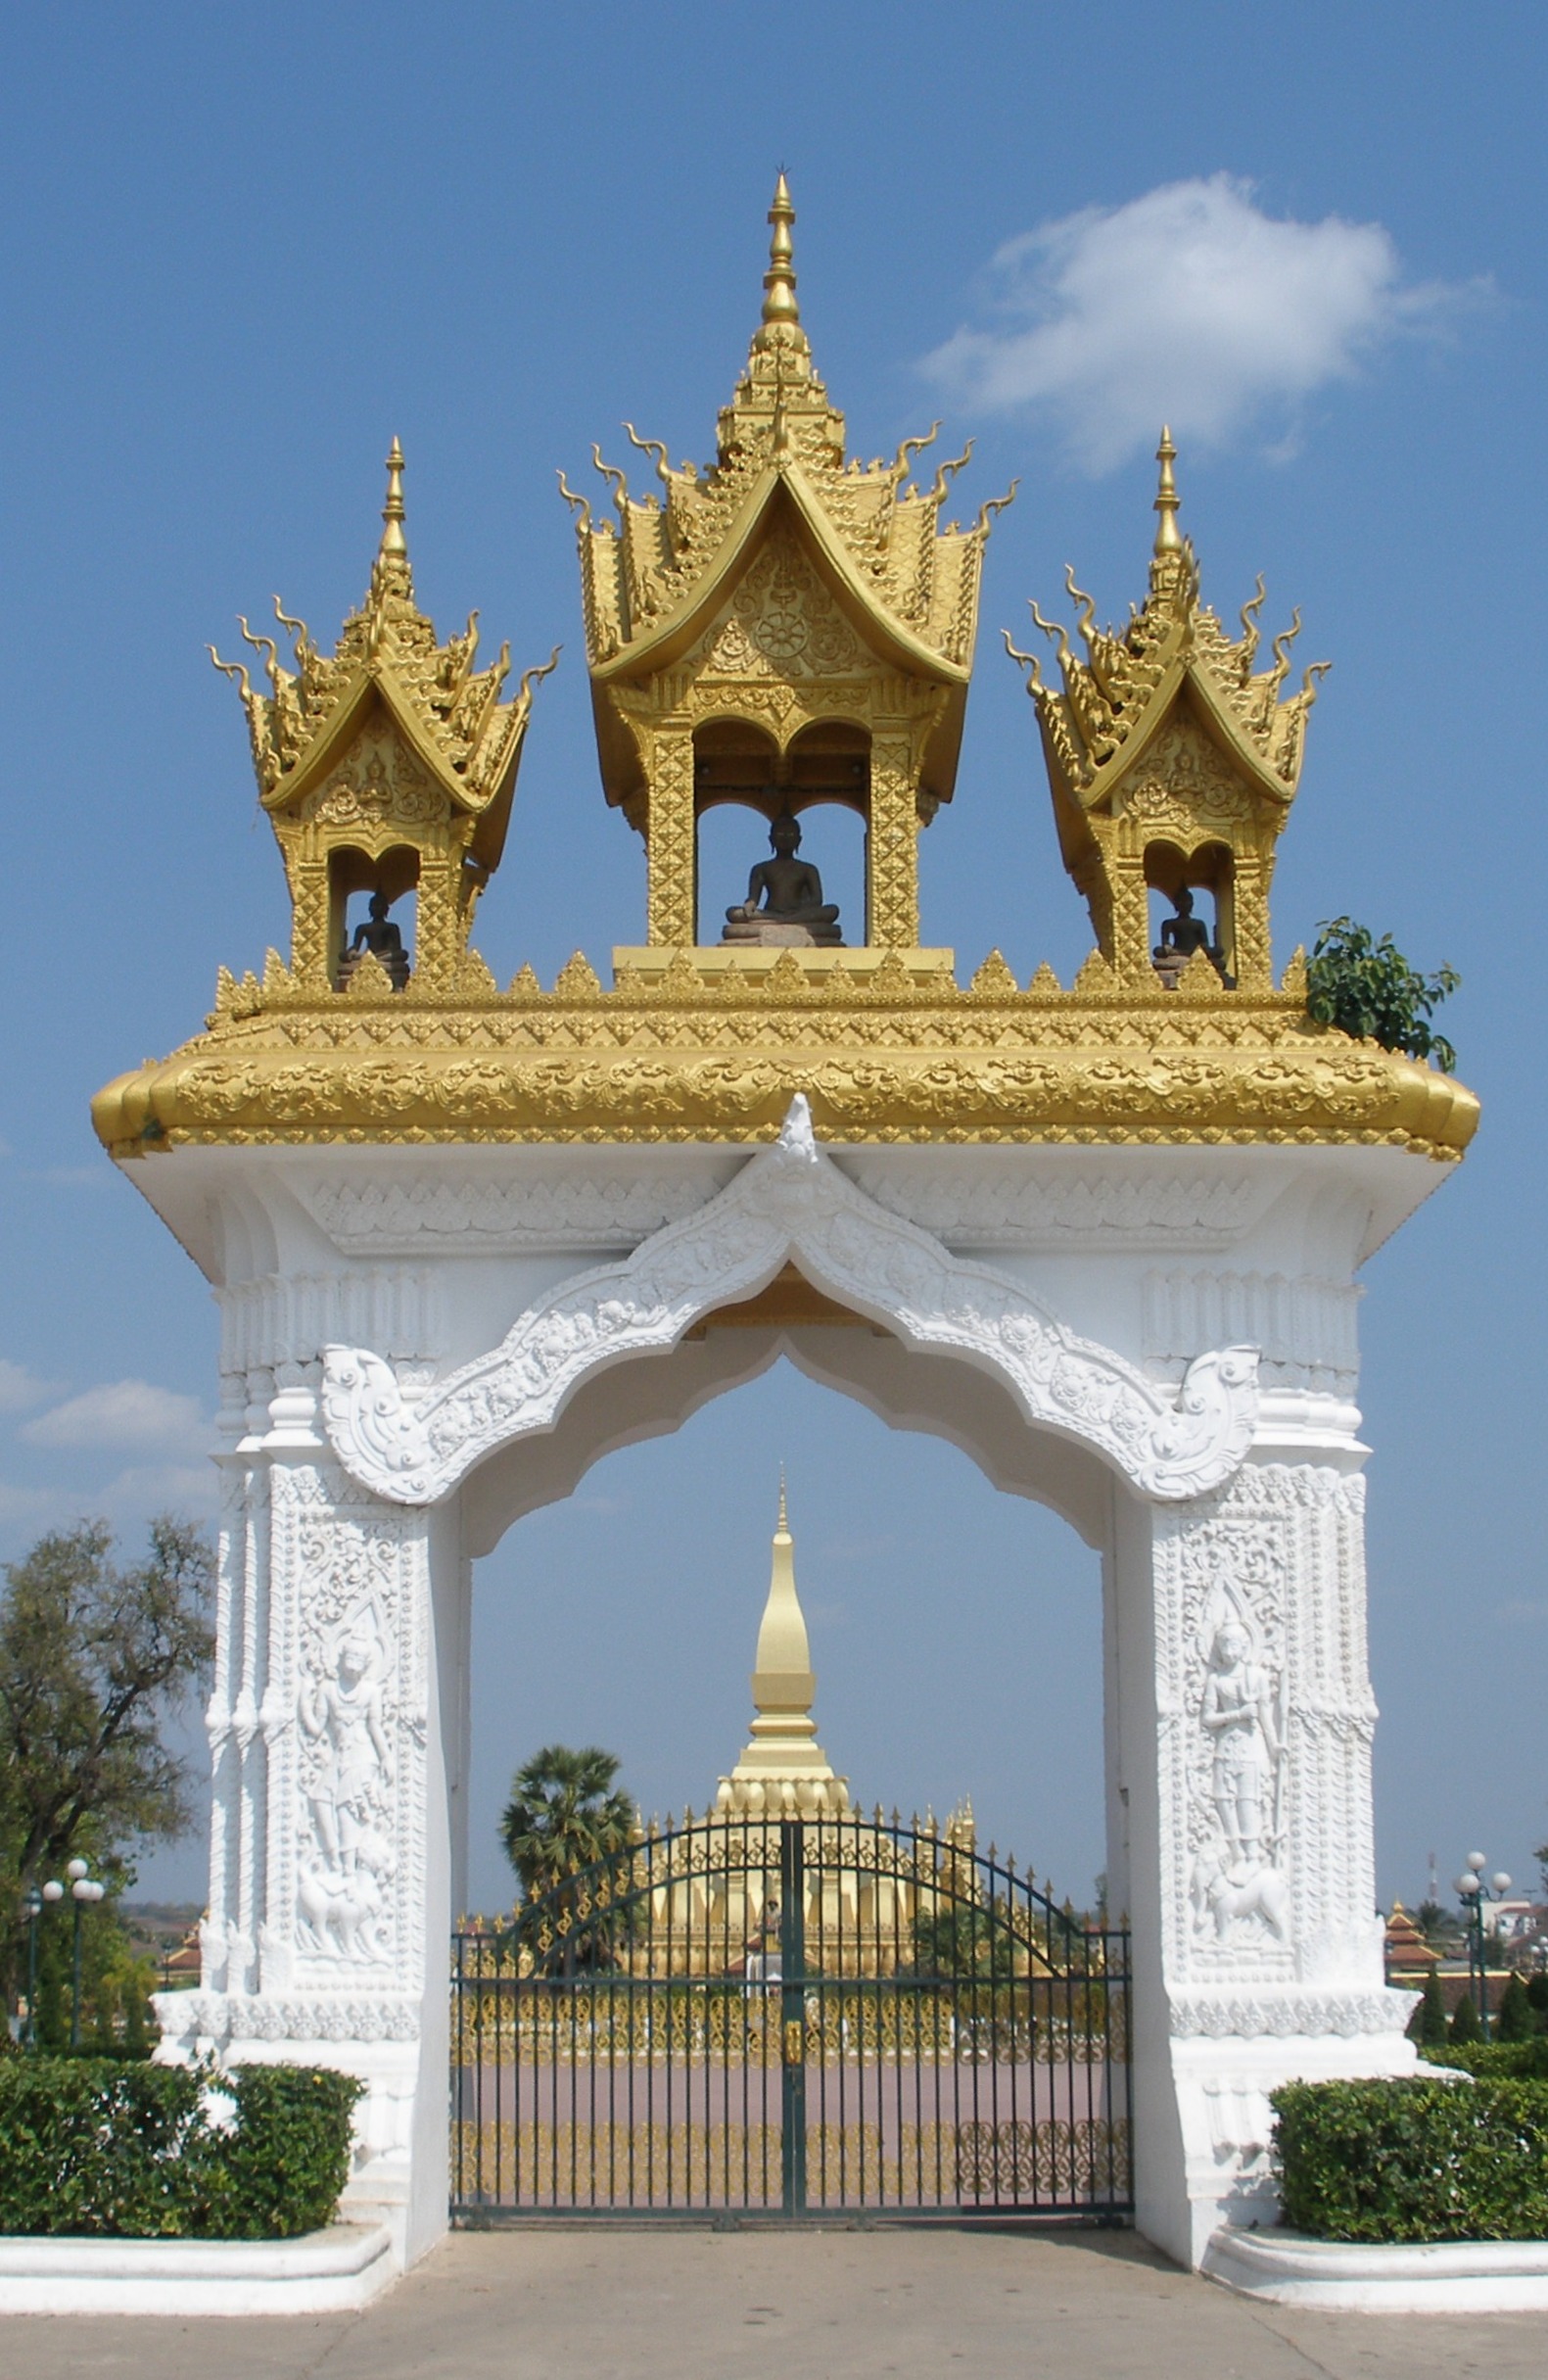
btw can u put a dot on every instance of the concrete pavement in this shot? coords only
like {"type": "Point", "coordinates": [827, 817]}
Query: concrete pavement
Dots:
{"type": "Point", "coordinates": [791, 2305]}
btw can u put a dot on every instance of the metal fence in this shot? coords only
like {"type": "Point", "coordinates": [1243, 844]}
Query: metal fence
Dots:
{"type": "Point", "coordinates": [797, 2016]}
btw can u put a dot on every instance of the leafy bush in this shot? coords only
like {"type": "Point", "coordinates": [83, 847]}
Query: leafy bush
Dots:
{"type": "Point", "coordinates": [1414, 2160]}
{"type": "Point", "coordinates": [106, 2146]}
{"type": "Point", "coordinates": [1494, 2061]}
{"type": "Point", "coordinates": [1368, 989]}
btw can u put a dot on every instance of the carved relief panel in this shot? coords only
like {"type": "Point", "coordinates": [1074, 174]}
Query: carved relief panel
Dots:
{"type": "Point", "coordinates": [349, 1675]}
{"type": "Point", "coordinates": [1266, 1719]}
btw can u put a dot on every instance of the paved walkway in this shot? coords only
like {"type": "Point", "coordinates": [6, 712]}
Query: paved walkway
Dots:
{"type": "Point", "coordinates": [799, 2306]}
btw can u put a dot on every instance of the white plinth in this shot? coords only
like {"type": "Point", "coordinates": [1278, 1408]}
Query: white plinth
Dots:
{"type": "Point", "coordinates": [1439, 2276]}
{"type": "Point", "coordinates": [332, 2271]}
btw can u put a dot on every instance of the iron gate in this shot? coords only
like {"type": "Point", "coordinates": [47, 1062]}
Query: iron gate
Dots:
{"type": "Point", "coordinates": [797, 2016]}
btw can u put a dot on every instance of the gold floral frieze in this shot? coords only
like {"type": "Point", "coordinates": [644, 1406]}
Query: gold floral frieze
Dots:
{"type": "Point", "coordinates": [887, 1057]}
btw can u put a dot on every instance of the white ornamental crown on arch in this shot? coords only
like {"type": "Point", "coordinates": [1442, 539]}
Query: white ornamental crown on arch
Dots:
{"type": "Point", "coordinates": [789, 1203]}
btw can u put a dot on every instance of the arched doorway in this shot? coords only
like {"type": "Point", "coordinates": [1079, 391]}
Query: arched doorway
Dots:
{"type": "Point", "coordinates": [959, 2023]}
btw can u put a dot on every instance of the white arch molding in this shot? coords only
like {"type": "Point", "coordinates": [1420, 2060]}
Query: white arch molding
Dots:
{"type": "Point", "coordinates": [373, 1442]}
{"type": "Point", "coordinates": [790, 1203]}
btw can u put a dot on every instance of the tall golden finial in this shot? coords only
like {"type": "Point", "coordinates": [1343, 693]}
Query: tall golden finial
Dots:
{"type": "Point", "coordinates": [393, 539]}
{"type": "Point", "coordinates": [782, 1525]}
{"type": "Point", "coordinates": [1168, 538]}
{"type": "Point", "coordinates": [779, 304]}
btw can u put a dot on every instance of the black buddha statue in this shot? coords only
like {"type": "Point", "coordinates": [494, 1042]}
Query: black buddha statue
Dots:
{"type": "Point", "coordinates": [784, 904]}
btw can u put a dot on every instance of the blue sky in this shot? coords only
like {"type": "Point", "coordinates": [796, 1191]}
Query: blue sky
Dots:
{"type": "Point", "coordinates": [246, 249]}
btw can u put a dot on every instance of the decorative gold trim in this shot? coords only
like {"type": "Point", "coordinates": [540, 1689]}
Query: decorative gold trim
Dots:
{"type": "Point", "coordinates": [883, 1056]}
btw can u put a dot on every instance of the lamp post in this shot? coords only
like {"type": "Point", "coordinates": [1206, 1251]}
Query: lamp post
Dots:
{"type": "Point", "coordinates": [84, 1890]}
{"type": "Point", "coordinates": [32, 1904]}
{"type": "Point", "coordinates": [1476, 1894]}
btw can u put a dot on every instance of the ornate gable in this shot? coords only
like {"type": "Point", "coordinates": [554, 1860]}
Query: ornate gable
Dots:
{"type": "Point", "coordinates": [385, 766]}
{"type": "Point", "coordinates": [1172, 758]}
{"type": "Point", "coordinates": [786, 563]}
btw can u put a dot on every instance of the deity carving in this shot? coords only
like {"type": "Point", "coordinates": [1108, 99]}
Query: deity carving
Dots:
{"type": "Point", "coordinates": [1235, 1878]}
{"type": "Point", "coordinates": [784, 902]}
{"type": "Point", "coordinates": [341, 1896]}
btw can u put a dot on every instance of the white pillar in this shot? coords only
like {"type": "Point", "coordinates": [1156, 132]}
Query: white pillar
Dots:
{"type": "Point", "coordinates": [1244, 1721]}
{"type": "Point", "coordinates": [338, 1705]}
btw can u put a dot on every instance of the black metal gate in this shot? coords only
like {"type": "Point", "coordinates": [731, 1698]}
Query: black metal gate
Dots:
{"type": "Point", "coordinates": [792, 2017]}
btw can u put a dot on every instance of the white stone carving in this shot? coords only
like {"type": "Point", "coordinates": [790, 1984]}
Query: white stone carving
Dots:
{"type": "Point", "coordinates": [970, 1203]}
{"type": "Point", "coordinates": [276, 1319]}
{"type": "Point", "coordinates": [1304, 1328]}
{"type": "Point", "coordinates": [1266, 1721]}
{"type": "Point", "coordinates": [790, 1200]}
{"type": "Point", "coordinates": [470, 1215]}
{"type": "Point", "coordinates": [352, 1727]}
{"type": "Point", "coordinates": [220, 2017]}
{"type": "Point", "coordinates": [1282, 2016]}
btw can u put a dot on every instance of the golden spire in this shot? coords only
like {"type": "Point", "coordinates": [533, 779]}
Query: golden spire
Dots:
{"type": "Point", "coordinates": [782, 1680]}
{"type": "Point", "coordinates": [779, 303]}
{"type": "Point", "coordinates": [783, 1766]}
{"type": "Point", "coordinates": [1168, 538]}
{"type": "Point", "coordinates": [394, 543]}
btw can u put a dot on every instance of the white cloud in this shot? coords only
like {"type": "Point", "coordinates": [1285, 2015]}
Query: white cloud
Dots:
{"type": "Point", "coordinates": [162, 1486]}
{"type": "Point", "coordinates": [1188, 306]}
{"type": "Point", "coordinates": [122, 1413]}
{"type": "Point", "coordinates": [19, 1388]}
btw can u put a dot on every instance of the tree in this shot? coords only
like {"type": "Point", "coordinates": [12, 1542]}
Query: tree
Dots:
{"type": "Point", "coordinates": [565, 1814]}
{"type": "Point", "coordinates": [1428, 2023]}
{"type": "Point", "coordinates": [1368, 989]}
{"type": "Point", "coordinates": [1517, 2019]}
{"type": "Point", "coordinates": [1465, 2027]}
{"type": "Point", "coordinates": [1439, 1925]}
{"type": "Point", "coordinates": [94, 1661]}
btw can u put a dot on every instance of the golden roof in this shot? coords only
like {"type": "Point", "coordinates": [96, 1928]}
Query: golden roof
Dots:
{"type": "Point", "coordinates": [1108, 707]}
{"type": "Point", "coordinates": [653, 580]}
{"type": "Point", "coordinates": [881, 1056]}
{"type": "Point", "coordinates": [449, 714]}
{"type": "Point", "coordinates": [886, 1048]}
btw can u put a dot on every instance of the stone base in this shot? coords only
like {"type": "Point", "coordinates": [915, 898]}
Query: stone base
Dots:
{"type": "Point", "coordinates": [332, 2271]}
{"type": "Point", "coordinates": [1432, 2276]}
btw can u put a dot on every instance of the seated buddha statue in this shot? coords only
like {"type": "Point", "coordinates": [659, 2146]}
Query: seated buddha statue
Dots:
{"type": "Point", "coordinates": [784, 904]}
{"type": "Point", "coordinates": [1181, 935]}
{"type": "Point", "coordinates": [378, 935]}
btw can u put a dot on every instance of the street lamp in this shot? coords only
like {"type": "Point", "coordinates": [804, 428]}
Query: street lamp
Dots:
{"type": "Point", "coordinates": [1476, 1894]}
{"type": "Point", "coordinates": [32, 1904]}
{"type": "Point", "coordinates": [84, 1890]}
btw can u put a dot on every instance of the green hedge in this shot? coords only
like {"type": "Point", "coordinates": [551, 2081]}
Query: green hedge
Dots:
{"type": "Point", "coordinates": [106, 2147]}
{"type": "Point", "coordinates": [1414, 2160]}
{"type": "Point", "coordinates": [1492, 2061]}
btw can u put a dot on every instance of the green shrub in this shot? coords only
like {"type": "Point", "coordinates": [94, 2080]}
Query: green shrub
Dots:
{"type": "Point", "coordinates": [1414, 2160]}
{"type": "Point", "coordinates": [1494, 2060]}
{"type": "Point", "coordinates": [1517, 2019]}
{"type": "Point", "coordinates": [1465, 2028]}
{"type": "Point", "coordinates": [112, 2145]}
{"type": "Point", "coordinates": [1367, 989]}
{"type": "Point", "coordinates": [1428, 2023]}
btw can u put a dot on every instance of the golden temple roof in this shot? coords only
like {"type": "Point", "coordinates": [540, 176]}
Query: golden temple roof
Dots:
{"type": "Point", "coordinates": [1173, 758]}
{"type": "Point", "coordinates": [1106, 708]}
{"type": "Point", "coordinates": [653, 578]}
{"type": "Point", "coordinates": [449, 713]}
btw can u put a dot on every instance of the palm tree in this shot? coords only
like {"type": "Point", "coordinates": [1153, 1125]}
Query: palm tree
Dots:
{"type": "Point", "coordinates": [565, 1814]}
